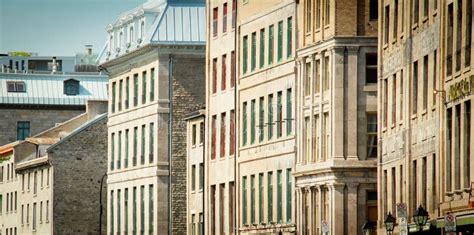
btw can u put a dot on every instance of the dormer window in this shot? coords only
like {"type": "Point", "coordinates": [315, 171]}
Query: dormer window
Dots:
{"type": "Point", "coordinates": [71, 87]}
{"type": "Point", "coordinates": [16, 86]}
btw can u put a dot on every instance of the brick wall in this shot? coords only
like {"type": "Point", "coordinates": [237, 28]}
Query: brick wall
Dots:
{"type": "Point", "coordinates": [40, 120]}
{"type": "Point", "coordinates": [79, 164]}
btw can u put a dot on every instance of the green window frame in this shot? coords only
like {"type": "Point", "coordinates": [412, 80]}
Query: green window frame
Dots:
{"type": "Point", "coordinates": [114, 91]}
{"type": "Point", "coordinates": [289, 112]}
{"type": "Point", "coordinates": [142, 155]}
{"type": "Point", "coordinates": [279, 197]}
{"type": "Point", "coordinates": [260, 198]}
{"type": "Point", "coordinates": [112, 225]}
{"type": "Point", "coordinates": [244, 54]}
{"type": "Point", "coordinates": [134, 219]}
{"type": "Point", "coordinates": [244, 200]}
{"type": "Point", "coordinates": [280, 41]}
{"type": "Point", "coordinates": [279, 114]}
{"type": "Point", "coordinates": [135, 90]}
{"type": "Point", "coordinates": [22, 130]}
{"type": "Point", "coordinates": [244, 117]}
{"type": "Point", "coordinates": [270, 196]}
{"type": "Point", "coordinates": [151, 150]}
{"type": "Point", "coordinates": [135, 145]}
{"type": "Point", "coordinates": [289, 38]}
{"type": "Point", "coordinates": [261, 120]}
{"type": "Point", "coordinates": [253, 58]}
{"type": "Point", "coordinates": [143, 87]}
{"type": "Point", "coordinates": [126, 209]}
{"type": "Point", "coordinates": [120, 95]}
{"type": "Point", "coordinates": [270, 116]}
{"type": "Point", "coordinates": [252, 122]}
{"type": "Point", "coordinates": [118, 212]}
{"type": "Point", "coordinates": [152, 84]}
{"type": "Point", "coordinates": [127, 154]}
{"type": "Point", "coordinates": [119, 157]}
{"type": "Point", "coordinates": [289, 202]}
{"type": "Point", "coordinates": [252, 199]}
{"type": "Point", "coordinates": [150, 209]}
{"type": "Point", "coordinates": [262, 47]}
{"type": "Point", "coordinates": [112, 152]}
{"type": "Point", "coordinates": [127, 92]}
{"type": "Point", "coordinates": [142, 209]}
{"type": "Point", "coordinates": [270, 44]}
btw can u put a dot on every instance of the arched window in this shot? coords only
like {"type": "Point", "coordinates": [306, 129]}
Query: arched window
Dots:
{"type": "Point", "coordinates": [71, 87]}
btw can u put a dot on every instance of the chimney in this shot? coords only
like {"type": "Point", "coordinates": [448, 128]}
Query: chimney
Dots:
{"type": "Point", "coordinates": [95, 108]}
{"type": "Point", "coordinates": [88, 49]}
{"type": "Point", "coordinates": [55, 67]}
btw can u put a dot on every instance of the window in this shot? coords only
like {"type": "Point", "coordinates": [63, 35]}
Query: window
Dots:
{"type": "Point", "coordinates": [252, 199]}
{"type": "Point", "coordinates": [34, 216]}
{"type": "Point", "coordinates": [135, 146]}
{"type": "Point", "coordinates": [142, 155]}
{"type": "Point", "coordinates": [16, 86]}
{"type": "Point", "coordinates": [152, 143]}
{"type": "Point", "coordinates": [260, 198]}
{"type": "Point", "coordinates": [280, 40]}
{"type": "Point", "coordinates": [151, 209]}
{"type": "Point", "coordinates": [289, 201]}
{"type": "Point", "coordinates": [143, 87]}
{"type": "Point", "coordinates": [134, 208]}
{"type": "Point", "coordinates": [252, 122]}
{"type": "Point", "coordinates": [326, 81]}
{"type": "Point", "coordinates": [112, 151]}
{"type": "Point", "coordinates": [213, 210]}
{"type": "Point", "coordinates": [127, 92]}
{"type": "Point", "coordinates": [393, 186]}
{"type": "Point", "coordinates": [373, 10]}
{"type": "Point", "coordinates": [232, 133]}
{"type": "Point", "coordinates": [201, 133]}
{"type": "Point", "coordinates": [125, 195]}
{"type": "Point", "coordinates": [328, 11]}
{"type": "Point", "coordinates": [152, 84]}
{"type": "Point", "coordinates": [270, 117]}
{"type": "Point", "coordinates": [135, 90]}
{"type": "Point", "coordinates": [307, 140]}
{"type": "Point", "coordinates": [119, 157]}
{"type": "Point", "coordinates": [71, 87]}
{"type": "Point", "coordinates": [423, 186]}
{"type": "Point", "coordinates": [234, 13]}
{"type": "Point", "coordinates": [112, 205]}
{"type": "Point", "coordinates": [414, 186]}
{"type": "Point", "coordinates": [459, 13]}
{"type": "Point", "coordinates": [120, 95]}
{"type": "Point", "coordinates": [415, 88]}
{"type": "Point", "coordinates": [224, 72]}
{"type": "Point", "coordinates": [22, 130]}
{"type": "Point", "coordinates": [279, 114]}
{"type": "Point", "coordinates": [385, 102]}
{"type": "Point", "coordinates": [142, 209]}
{"type": "Point", "coordinates": [253, 52]}
{"type": "Point", "coordinates": [449, 40]}
{"type": "Point", "coordinates": [387, 23]}
{"type": "Point", "coordinates": [449, 148]}
{"type": "Point", "coordinates": [326, 136]}
{"type": "Point", "coordinates": [371, 203]}
{"type": "Point", "coordinates": [114, 89]}
{"type": "Point", "coordinates": [289, 37]}
{"type": "Point", "coordinates": [245, 54]}
{"type": "Point", "coordinates": [201, 176]}
{"type": "Point", "coordinates": [371, 135]}
{"type": "Point", "coordinates": [425, 82]}
{"type": "Point", "coordinates": [244, 200]}
{"type": "Point", "coordinates": [279, 197]}
{"type": "Point", "coordinates": [262, 47]}
{"type": "Point", "coordinates": [270, 44]}
{"type": "Point", "coordinates": [394, 99]}
{"type": "Point", "coordinates": [215, 13]}
{"type": "Point", "coordinates": [468, 36]}
{"type": "Point", "coordinates": [231, 206]}
{"type": "Point", "coordinates": [223, 132]}
{"type": "Point", "coordinates": [289, 112]}
{"type": "Point", "coordinates": [261, 121]}
{"type": "Point", "coordinates": [316, 138]}
{"type": "Point", "coordinates": [426, 8]}
{"type": "Point", "coordinates": [224, 18]}
{"type": "Point", "coordinates": [130, 37]}
{"type": "Point", "coordinates": [416, 11]}
{"type": "Point", "coordinates": [317, 77]}
{"type": "Point", "coordinates": [395, 20]}
{"type": "Point", "coordinates": [119, 212]}
{"type": "Point", "coordinates": [126, 148]}
{"type": "Point", "coordinates": [435, 73]}
{"type": "Point", "coordinates": [270, 196]}
{"type": "Point", "coordinates": [244, 120]}
{"type": "Point", "coordinates": [308, 19]}
{"type": "Point", "coordinates": [213, 137]}
{"type": "Point", "coordinates": [221, 208]}
{"type": "Point", "coordinates": [232, 72]}
{"type": "Point", "coordinates": [214, 75]}
{"type": "Point", "coordinates": [467, 143]}
{"type": "Point", "coordinates": [307, 80]}
{"type": "Point", "coordinates": [194, 134]}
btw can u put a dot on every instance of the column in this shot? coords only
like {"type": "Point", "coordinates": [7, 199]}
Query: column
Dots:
{"type": "Point", "coordinates": [352, 207]}
{"type": "Point", "coordinates": [336, 210]}
{"type": "Point", "coordinates": [337, 103]}
{"type": "Point", "coordinates": [351, 77]}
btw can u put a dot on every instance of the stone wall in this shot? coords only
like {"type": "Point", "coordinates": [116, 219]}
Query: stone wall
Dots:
{"type": "Point", "coordinates": [40, 120]}
{"type": "Point", "coordinates": [188, 95]}
{"type": "Point", "coordinates": [79, 164]}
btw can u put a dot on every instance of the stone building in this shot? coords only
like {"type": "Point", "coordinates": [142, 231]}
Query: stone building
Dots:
{"type": "Point", "coordinates": [195, 137]}
{"type": "Point", "coordinates": [156, 77]}
{"type": "Point", "coordinates": [32, 102]}
{"type": "Point", "coordinates": [336, 68]}
{"type": "Point", "coordinates": [51, 181]}
{"type": "Point", "coordinates": [266, 116]}
{"type": "Point", "coordinates": [220, 150]}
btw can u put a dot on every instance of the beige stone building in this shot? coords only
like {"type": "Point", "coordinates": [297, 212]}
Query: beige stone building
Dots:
{"type": "Point", "coordinates": [195, 172]}
{"type": "Point", "coordinates": [156, 77]}
{"type": "Point", "coordinates": [266, 116]}
{"type": "Point", "coordinates": [335, 168]}
{"type": "Point", "coordinates": [220, 150]}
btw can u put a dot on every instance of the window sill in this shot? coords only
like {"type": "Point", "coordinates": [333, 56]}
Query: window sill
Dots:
{"type": "Point", "coordinates": [413, 116]}
{"type": "Point", "coordinates": [414, 27]}
{"type": "Point", "coordinates": [425, 19]}
{"type": "Point", "coordinates": [466, 69]}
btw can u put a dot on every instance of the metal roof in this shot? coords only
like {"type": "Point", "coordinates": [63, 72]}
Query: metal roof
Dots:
{"type": "Point", "coordinates": [48, 89]}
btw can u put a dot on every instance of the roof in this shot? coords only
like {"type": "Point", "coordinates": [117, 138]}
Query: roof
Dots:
{"type": "Point", "coordinates": [48, 89]}
{"type": "Point", "coordinates": [8, 147]}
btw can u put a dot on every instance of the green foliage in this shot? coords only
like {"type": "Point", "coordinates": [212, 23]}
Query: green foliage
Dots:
{"type": "Point", "coordinates": [20, 53]}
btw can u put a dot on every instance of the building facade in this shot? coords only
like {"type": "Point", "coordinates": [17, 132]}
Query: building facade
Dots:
{"type": "Point", "coordinates": [335, 168]}
{"type": "Point", "coordinates": [195, 137]}
{"type": "Point", "coordinates": [266, 116]}
{"type": "Point", "coordinates": [220, 149]}
{"type": "Point", "coordinates": [47, 191]}
{"type": "Point", "coordinates": [156, 77]}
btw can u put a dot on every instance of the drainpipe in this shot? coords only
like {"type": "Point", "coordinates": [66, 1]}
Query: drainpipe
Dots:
{"type": "Point", "coordinates": [170, 152]}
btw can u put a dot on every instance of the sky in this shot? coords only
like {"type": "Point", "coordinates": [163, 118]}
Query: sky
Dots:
{"type": "Point", "coordinates": [57, 27]}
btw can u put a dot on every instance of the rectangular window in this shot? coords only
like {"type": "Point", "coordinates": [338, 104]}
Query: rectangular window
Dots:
{"type": "Point", "coordinates": [214, 75]}
{"type": "Point", "coordinates": [193, 136]}
{"type": "Point", "coordinates": [393, 186]}
{"type": "Point", "coordinates": [434, 203]}
{"type": "Point", "coordinates": [414, 185]}
{"type": "Point", "coordinates": [371, 68]}
{"type": "Point", "coordinates": [134, 219]}
{"type": "Point", "coordinates": [307, 79]}
{"type": "Point", "coordinates": [450, 40]}
{"type": "Point", "coordinates": [279, 197]}
{"type": "Point", "coordinates": [270, 117]}
{"type": "Point", "coordinates": [416, 11]}
{"type": "Point", "coordinates": [317, 77]}
{"type": "Point", "coordinates": [426, 8]}
{"type": "Point", "coordinates": [118, 212]}
{"type": "Point", "coordinates": [467, 144]}
{"type": "Point", "coordinates": [262, 47]}
{"type": "Point", "coordinates": [142, 156]}
{"type": "Point", "coordinates": [385, 102]}
{"type": "Point", "coordinates": [34, 216]}
{"type": "Point", "coordinates": [114, 88]}
{"type": "Point", "coordinates": [125, 209]}
{"type": "Point", "coordinates": [119, 157]}
{"type": "Point", "coordinates": [152, 143]}
{"type": "Point", "coordinates": [231, 207]}
{"type": "Point", "coordinates": [232, 73]}
{"type": "Point", "coordinates": [223, 133]}
{"type": "Point", "coordinates": [261, 117]}
{"type": "Point", "coordinates": [449, 148]}
{"type": "Point", "coordinates": [135, 90]}
{"type": "Point", "coordinates": [425, 82]}
{"type": "Point", "coordinates": [387, 24]}
{"type": "Point", "coordinates": [252, 199]}
{"type": "Point", "coordinates": [120, 95]}
{"type": "Point", "coordinates": [457, 147]}
{"type": "Point", "coordinates": [394, 99]}
{"type": "Point", "coordinates": [193, 177]}
{"type": "Point", "coordinates": [244, 200]}
{"type": "Point", "coordinates": [326, 81]}
{"type": "Point", "coordinates": [135, 145]}
{"type": "Point", "coordinates": [244, 54]}
{"type": "Point", "coordinates": [435, 74]}
{"type": "Point", "coordinates": [234, 13]}
{"type": "Point", "coordinates": [35, 181]}
{"type": "Point", "coordinates": [152, 84]}
{"type": "Point", "coordinates": [215, 13]}
{"type": "Point", "coordinates": [424, 199]}
{"type": "Point", "coordinates": [112, 150]}
{"type": "Point", "coordinates": [318, 14]}
{"type": "Point", "coordinates": [224, 18]}
{"type": "Point", "coordinates": [279, 114]}
{"type": "Point", "coordinates": [280, 41]}
{"type": "Point", "coordinates": [112, 206]}
{"type": "Point", "coordinates": [22, 130]}
{"type": "Point", "coordinates": [270, 196]}
{"type": "Point", "coordinates": [232, 133]}
{"type": "Point", "coordinates": [459, 13]}
{"type": "Point", "coordinates": [373, 10]}
{"type": "Point", "coordinates": [142, 209]}
{"type": "Point", "coordinates": [126, 148]}
{"type": "Point", "coordinates": [371, 135]}
{"type": "Point", "coordinates": [254, 52]}
{"type": "Point", "coordinates": [244, 120]}
{"type": "Point", "coordinates": [327, 142]}
{"type": "Point", "coordinates": [252, 122]}
{"type": "Point", "coordinates": [150, 209]}
{"type": "Point", "coordinates": [308, 19]}
{"type": "Point", "coordinates": [289, 111]}
{"type": "Point", "coordinates": [316, 137]}
{"type": "Point", "coordinates": [201, 133]}
{"type": "Point", "coordinates": [327, 17]}
{"type": "Point", "coordinates": [395, 20]}
{"type": "Point", "coordinates": [307, 140]}
{"type": "Point", "coordinates": [127, 92]}
{"type": "Point", "coordinates": [289, 201]}
{"type": "Point", "coordinates": [270, 44]}
{"type": "Point", "coordinates": [415, 88]}
{"type": "Point", "coordinates": [289, 37]}
{"type": "Point", "coordinates": [260, 198]}
{"type": "Point", "coordinates": [221, 208]}
{"type": "Point", "coordinates": [224, 72]}
{"type": "Point", "coordinates": [213, 137]}
{"type": "Point", "coordinates": [201, 176]}
{"type": "Point", "coordinates": [468, 35]}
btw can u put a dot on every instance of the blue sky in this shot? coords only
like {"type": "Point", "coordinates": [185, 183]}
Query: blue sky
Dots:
{"type": "Point", "coordinates": [57, 27]}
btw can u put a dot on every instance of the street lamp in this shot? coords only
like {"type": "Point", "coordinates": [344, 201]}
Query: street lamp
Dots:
{"type": "Point", "coordinates": [420, 217]}
{"type": "Point", "coordinates": [389, 223]}
{"type": "Point", "coordinates": [368, 227]}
